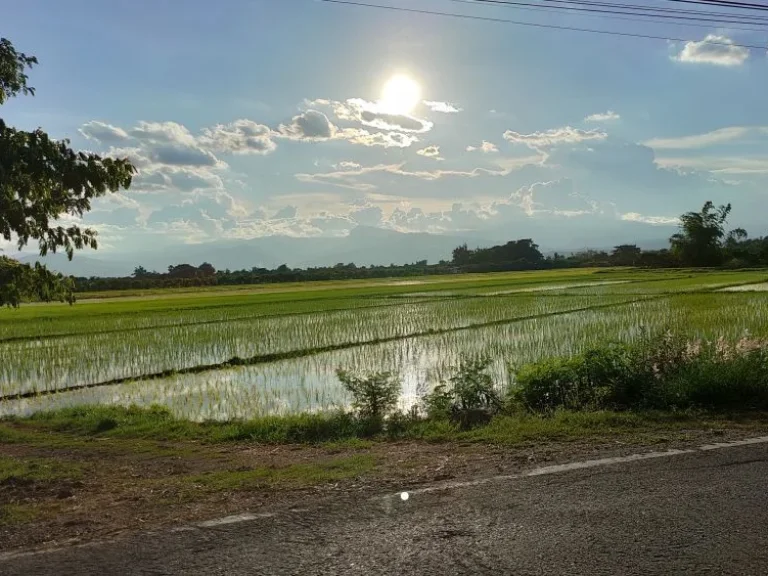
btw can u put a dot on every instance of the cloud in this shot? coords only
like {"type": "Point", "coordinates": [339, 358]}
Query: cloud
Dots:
{"type": "Point", "coordinates": [554, 137]}
{"type": "Point", "coordinates": [557, 197]}
{"type": "Point", "coordinates": [347, 165]}
{"type": "Point", "coordinates": [367, 215]}
{"type": "Point", "coordinates": [102, 132]}
{"type": "Point", "coordinates": [399, 122]}
{"type": "Point", "coordinates": [384, 139]}
{"type": "Point", "coordinates": [656, 220]}
{"type": "Point", "coordinates": [199, 216]}
{"type": "Point", "coordinates": [138, 156]}
{"type": "Point", "coordinates": [122, 217]}
{"type": "Point", "coordinates": [444, 107]}
{"type": "Point", "coordinates": [373, 115]}
{"type": "Point", "coordinates": [430, 152]}
{"type": "Point", "coordinates": [486, 147]}
{"type": "Point", "coordinates": [310, 126]}
{"type": "Point", "coordinates": [286, 212]}
{"type": "Point", "coordinates": [356, 179]}
{"type": "Point", "coordinates": [607, 116]}
{"type": "Point", "coordinates": [180, 178]}
{"type": "Point", "coordinates": [176, 155]}
{"type": "Point", "coordinates": [699, 140]}
{"type": "Point", "coordinates": [166, 143]}
{"type": "Point", "coordinates": [163, 132]}
{"type": "Point", "coordinates": [240, 137]}
{"type": "Point", "coordinates": [714, 49]}
{"type": "Point", "coordinates": [717, 164]}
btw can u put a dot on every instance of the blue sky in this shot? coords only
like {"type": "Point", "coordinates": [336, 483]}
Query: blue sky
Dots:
{"type": "Point", "coordinates": [262, 117]}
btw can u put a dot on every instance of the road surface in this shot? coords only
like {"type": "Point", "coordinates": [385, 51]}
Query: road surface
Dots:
{"type": "Point", "coordinates": [697, 512]}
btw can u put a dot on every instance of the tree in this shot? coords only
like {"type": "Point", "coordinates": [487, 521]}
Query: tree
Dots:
{"type": "Point", "coordinates": [700, 240]}
{"type": "Point", "coordinates": [626, 255]}
{"type": "Point", "coordinates": [461, 255]}
{"type": "Point", "coordinates": [19, 281]}
{"type": "Point", "coordinates": [42, 179]}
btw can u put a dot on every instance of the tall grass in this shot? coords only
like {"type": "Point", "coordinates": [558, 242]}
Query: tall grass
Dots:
{"type": "Point", "coordinates": [666, 373]}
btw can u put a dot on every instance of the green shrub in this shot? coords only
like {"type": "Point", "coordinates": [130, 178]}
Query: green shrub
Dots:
{"type": "Point", "coordinates": [469, 398]}
{"type": "Point", "coordinates": [374, 396]}
{"type": "Point", "coordinates": [598, 378]}
{"type": "Point", "coordinates": [660, 373]}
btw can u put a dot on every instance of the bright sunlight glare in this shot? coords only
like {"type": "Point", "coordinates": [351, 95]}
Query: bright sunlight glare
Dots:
{"type": "Point", "coordinates": [400, 95]}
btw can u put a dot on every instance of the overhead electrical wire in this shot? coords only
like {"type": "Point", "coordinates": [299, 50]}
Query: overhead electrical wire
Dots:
{"type": "Point", "coordinates": [626, 9]}
{"type": "Point", "coordinates": [724, 4]}
{"type": "Point", "coordinates": [534, 24]}
{"type": "Point", "coordinates": [694, 19]}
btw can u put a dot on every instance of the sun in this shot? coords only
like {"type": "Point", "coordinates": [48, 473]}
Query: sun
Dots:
{"type": "Point", "coordinates": [400, 95]}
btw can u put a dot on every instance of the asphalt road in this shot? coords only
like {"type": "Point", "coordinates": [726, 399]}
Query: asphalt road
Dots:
{"type": "Point", "coordinates": [704, 512]}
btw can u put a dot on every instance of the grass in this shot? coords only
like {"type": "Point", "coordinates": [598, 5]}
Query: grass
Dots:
{"type": "Point", "coordinates": [84, 425]}
{"type": "Point", "coordinates": [36, 470]}
{"type": "Point", "coordinates": [18, 514]}
{"type": "Point", "coordinates": [291, 476]}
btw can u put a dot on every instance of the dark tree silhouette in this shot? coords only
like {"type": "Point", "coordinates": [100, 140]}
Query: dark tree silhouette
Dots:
{"type": "Point", "coordinates": [700, 240]}
{"type": "Point", "coordinates": [626, 255]}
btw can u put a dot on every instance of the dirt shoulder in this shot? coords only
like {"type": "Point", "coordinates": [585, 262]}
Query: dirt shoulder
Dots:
{"type": "Point", "coordinates": [57, 489]}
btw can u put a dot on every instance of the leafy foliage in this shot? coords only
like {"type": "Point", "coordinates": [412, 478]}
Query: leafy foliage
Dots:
{"type": "Point", "coordinates": [700, 240]}
{"type": "Point", "coordinates": [513, 253]}
{"type": "Point", "coordinates": [41, 180]}
{"type": "Point", "coordinates": [19, 280]}
{"type": "Point", "coordinates": [469, 397]}
{"type": "Point", "coordinates": [663, 373]}
{"type": "Point", "coordinates": [374, 396]}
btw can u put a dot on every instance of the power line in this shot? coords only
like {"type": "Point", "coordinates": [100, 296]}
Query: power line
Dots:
{"type": "Point", "coordinates": [532, 24]}
{"type": "Point", "coordinates": [631, 12]}
{"type": "Point", "coordinates": [725, 4]}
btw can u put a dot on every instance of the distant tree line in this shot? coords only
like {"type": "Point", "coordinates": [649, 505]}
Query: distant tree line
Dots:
{"type": "Point", "coordinates": [702, 241]}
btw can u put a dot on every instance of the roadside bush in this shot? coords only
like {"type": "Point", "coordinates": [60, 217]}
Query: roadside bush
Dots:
{"type": "Point", "coordinates": [470, 396]}
{"type": "Point", "coordinates": [661, 373]}
{"type": "Point", "coordinates": [592, 380]}
{"type": "Point", "coordinates": [374, 395]}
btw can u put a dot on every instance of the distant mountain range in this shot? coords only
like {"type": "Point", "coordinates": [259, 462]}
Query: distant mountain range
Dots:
{"type": "Point", "coordinates": [363, 246]}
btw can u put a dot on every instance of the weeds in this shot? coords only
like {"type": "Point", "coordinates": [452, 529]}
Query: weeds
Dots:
{"type": "Point", "coordinates": [374, 396]}
{"type": "Point", "coordinates": [470, 396]}
{"type": "Point", "coordinates": [667, 372]}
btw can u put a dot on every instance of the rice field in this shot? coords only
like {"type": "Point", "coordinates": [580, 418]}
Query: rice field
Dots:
{"type": "Point", "coordinates": [221, 354]}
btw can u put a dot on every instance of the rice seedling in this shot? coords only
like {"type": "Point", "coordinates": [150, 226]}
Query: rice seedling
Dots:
{"type": "Point", "coordinates": [240, 355]}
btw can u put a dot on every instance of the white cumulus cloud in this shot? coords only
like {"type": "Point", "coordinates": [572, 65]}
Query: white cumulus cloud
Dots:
{"type": "Point", "coordinates": [554, 137]}
{"type": "Point", "coordinates": [430, 152]}
{"type": "Point", "coordinates": [607, 116]}
{"type": "Point", "coordinates": [240, 137]}
{"type": "Point", "coordinates": [444, 107]}
{"type": "Point", "coordinates": [657, 220]}
{"type": "Point", "coordinates": [486, 147]}
{"type": "Point", "coordinates": [312, 126]}
{"type": "Point", "coordinates": [102, 132]}
{"type": "Point", "coordinates": [715, 49]}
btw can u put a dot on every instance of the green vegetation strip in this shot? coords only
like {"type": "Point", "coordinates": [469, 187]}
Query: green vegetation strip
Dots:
{"type": "Point", "coordinates": [278, 356]}
{"type": "Point", "coordinates": [79, 426]}
{"type": "Point", "coordinates": [152, 327]}
{"type": "Point", "coordinates": [422, 300]}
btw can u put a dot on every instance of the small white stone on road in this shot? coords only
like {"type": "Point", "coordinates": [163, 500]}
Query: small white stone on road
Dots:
{"type": "Point", "coordinates": [404, 496]}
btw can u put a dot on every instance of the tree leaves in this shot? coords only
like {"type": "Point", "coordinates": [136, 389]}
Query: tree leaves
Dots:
{"type": "Point", "coordinates": [699, 242]}
{"type": "Point", "coordinates": [42, 182]}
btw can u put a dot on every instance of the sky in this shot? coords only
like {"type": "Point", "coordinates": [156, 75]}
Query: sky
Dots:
{"type": "Point", "coordinates": [252, 118]}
